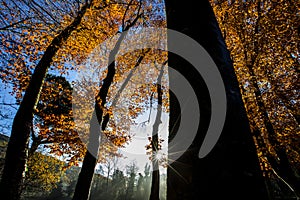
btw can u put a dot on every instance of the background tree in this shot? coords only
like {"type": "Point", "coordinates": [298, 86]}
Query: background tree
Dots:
{"type": "Point", "coordinates": [44, 172]}
{"type": "Point", "coordinates": [139, 186]}
{"type": "Point", "coordinates": [131, 171]}
{"type": "Point", "coordinates": [143, 185]}
{"type": "Point", "coordinates": [155, 142]}
{"type": "Point", "coordinates": [119, 182]}
{"type": "Point", "coordinates": [262, 39]}
{"type": "Point", "coordinates": [53, 124]}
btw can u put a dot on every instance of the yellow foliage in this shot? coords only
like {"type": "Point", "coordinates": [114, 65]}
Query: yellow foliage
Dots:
{"type": "Point", "coordinates": [43, 172]}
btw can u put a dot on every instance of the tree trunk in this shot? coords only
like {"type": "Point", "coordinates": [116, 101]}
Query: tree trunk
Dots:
{"type": "Point", "coordinates": [85, 178]}
{"type": "Point", "coordinates": [154, 195]}
{"type": "Point", "coordinates": [82, 189]}
{"type": "Point", "coordinates": [17, 149]}
{"type": "Point", "coordinates": [231, 170]}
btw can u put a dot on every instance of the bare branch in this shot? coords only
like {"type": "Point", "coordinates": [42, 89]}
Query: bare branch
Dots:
{"type": "Point", "coordinates": [49, 14]}
{"type": "Point", "coordinates": [10, 104]}
{"type": "Point", "coordinates": [14, 24]}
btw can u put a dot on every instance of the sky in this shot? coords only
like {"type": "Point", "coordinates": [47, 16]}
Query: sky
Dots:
{"type": "Point", "coordinates": [135, 150]}
{"type": "Point", "coordinates": [7, 109]}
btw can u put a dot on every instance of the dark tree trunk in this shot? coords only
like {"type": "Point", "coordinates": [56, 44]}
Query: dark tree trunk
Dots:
{"type": "Point", "coordinates": [231, 170]}
{"type": "Point", "coordinates": [82, 189]}
{"type": "Point", "coordinates": [154, 195]}
{"type": "Point", "coordinates": [85, 178]}
{"type": "Point", "coordinates": [17, 149]}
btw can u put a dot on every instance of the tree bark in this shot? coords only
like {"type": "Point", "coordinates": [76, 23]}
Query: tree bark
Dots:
{"type": "Point", "coordinates": [231, 170]}
{"type": "Point", "coordinates": [17, 149]}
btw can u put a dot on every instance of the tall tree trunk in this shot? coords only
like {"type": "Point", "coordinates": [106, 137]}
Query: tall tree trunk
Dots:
{"type": "Point", "coordinates": [231, 170]}
{"type": "Point", "coordinates": [17, 149]}
{"type": "Point", "coordinates": [85, 178]}
{"type": "Point", "coordinates": [82, 190]}
{"type": "Point", "coordinates": [154, 195]}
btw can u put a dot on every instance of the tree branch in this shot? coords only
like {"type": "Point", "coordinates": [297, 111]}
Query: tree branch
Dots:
{"type": "Point", "coordinates": [14, 24]}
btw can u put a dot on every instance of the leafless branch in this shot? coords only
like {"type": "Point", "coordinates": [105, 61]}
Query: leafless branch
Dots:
{"type": "Point", "coordinates": [14, 24]}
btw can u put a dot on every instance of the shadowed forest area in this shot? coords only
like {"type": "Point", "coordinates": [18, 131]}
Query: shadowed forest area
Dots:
{"type": "Point", "coordinates": [91, 103]}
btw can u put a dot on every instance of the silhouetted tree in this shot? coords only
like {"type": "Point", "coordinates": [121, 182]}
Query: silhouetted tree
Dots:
{"type": "Point", "coordinates": [231, 170]}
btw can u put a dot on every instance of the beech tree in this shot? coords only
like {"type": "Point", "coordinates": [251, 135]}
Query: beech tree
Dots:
{"type": "Point", "coordinates": [231, 170]}
{"type": "Point", "coordinates": [99, 118]}
{"type": "Point", "coordinates": [155, 146]}
{"type": "Point", "coordinates": [17, 150]}
{"type": "Point", "coordinates": [256, 33]}
{"type": "Point", "coordinates": [135, 15]}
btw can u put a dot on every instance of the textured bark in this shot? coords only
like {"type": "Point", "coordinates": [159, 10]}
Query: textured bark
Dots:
{"type": "Point", "coordinates": [17, 150]}
{"type": "Point", "coordinates": [231, 170]}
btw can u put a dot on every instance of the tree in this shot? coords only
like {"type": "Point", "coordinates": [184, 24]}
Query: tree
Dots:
{"type": "Point", "coordinates": [17, 150]}
{"type": "Point", "coordinates": [155, 142]}
{"type": "Point", "coordinates": [232, 167]}
{"type": "Point", "coordinates": [139, 187]}
{"type": "Point", "coordinates": [144, 184]}
{"type": "Point", "coordinates": [147, 180]}
{"type": "Point", "coordinates": [43, 174]}
{"type": "Point", "coordinates": [131, 170]}
{"type": "Point", "coordinates": [119, 184]}
{"type": "Point", "coordinates": [50, 46]}
{"type": "Point", "coordinates": [100, 119]}
{"type": "Point", "coordinates": [53, 124]}
{"type": "Point", "coordinates": [255, 35]}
